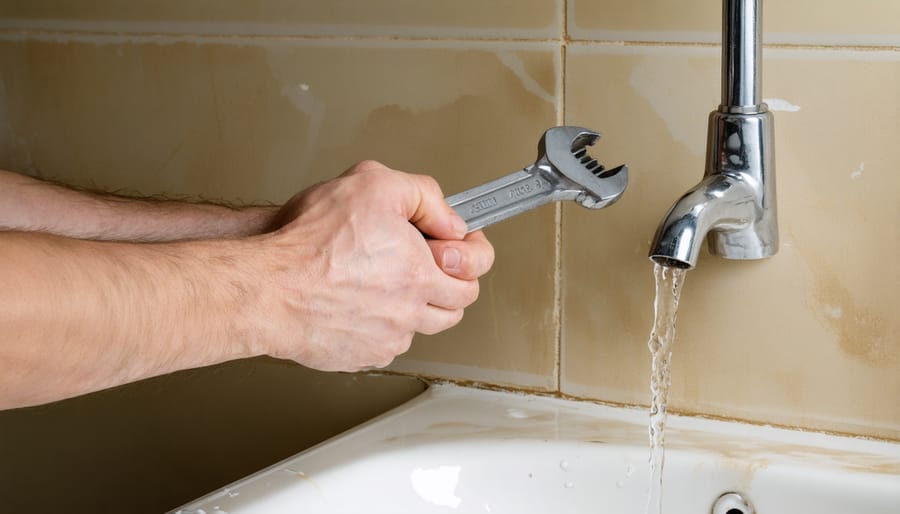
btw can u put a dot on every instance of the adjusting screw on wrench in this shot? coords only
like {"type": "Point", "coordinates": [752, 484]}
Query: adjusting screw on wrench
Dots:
{"type": "Point", "coordinates": [563, 171]}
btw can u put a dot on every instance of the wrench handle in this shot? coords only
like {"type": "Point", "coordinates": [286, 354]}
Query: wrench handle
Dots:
{"type": "Point", "coordinates": [503, 198]}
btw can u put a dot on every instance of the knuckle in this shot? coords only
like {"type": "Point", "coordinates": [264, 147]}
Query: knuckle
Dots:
{"type": "Point", "coordinates": [477, 258]}
{"type": "Point", "coordinates": [489, 255]}
{"type": "Point", "coordinates": [378, 180]}
{"type": "Point", "coordinates": [455, 317]}
{"type": "Point", "coordinates": [471, 294]}
{"type": "Point", "coordinates": [402, 344]}
{"type": "Point", "coordinates": [449, 319]}
{"type": "Point", "coordinates": [397, 324]}
{"type": "Point", "coordinates": [384, 362]}
{"type": "Point", "coordinates": [430, 183]}
{"type": "Point", "coordinates": [484, 256]}
{"type": "Point", "coordinates": [407, 312]}
{"type": "Point", "coordinates": [368, 166]}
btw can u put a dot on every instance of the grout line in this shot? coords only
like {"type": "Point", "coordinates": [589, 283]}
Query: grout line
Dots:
{"type": "Point", "coordinates": [854, 48]}
{"type": "Point", "coordinates": [557, 258]}
{"type": "Point", "coordinates": [564, 46]}
{"type": "Point", "coordinates": [225, 37]}
{"type": "Point", "coordinates": [622, 42]}
{"type": "Point", "coordinates": [698, 44]}
{"type": "Point", "coordinates": [7, 33]}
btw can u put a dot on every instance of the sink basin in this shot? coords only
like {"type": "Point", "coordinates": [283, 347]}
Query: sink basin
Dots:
{"type": "Point", "coordinates": [455, 449]}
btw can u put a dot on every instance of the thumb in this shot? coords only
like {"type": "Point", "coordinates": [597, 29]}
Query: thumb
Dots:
{"type": "Point", "coordinates": [432, 216]}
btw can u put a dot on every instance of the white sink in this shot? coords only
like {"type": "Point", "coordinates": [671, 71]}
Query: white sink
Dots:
{"type": "Point", "coordinates": [463, 450]}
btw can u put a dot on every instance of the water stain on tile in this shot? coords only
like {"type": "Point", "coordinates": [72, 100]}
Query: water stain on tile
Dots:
{"type": "Point", "coordinates": [534, 76]}
{"type": "Point", "coordinates": [862, 333]}
{"type": "Point", "coordinates": [677, 102]}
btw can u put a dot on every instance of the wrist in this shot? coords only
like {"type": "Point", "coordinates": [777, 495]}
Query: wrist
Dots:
{"type": "Point", "coordinates": [231, 271]}
{"type": "Point", "coordinates": [243, 309]}
{"type": "Point", "coordinates": [255, 220]}
{"type": "Point", "coordinates": [275, 291]}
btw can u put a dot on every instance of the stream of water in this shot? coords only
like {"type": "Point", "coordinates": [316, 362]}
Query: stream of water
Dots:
{"type": "Point", "coordinates": [668, 290]}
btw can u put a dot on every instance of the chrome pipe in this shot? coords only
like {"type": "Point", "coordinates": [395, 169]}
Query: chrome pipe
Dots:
{"type": "Point", "coordinates": [741, 56]}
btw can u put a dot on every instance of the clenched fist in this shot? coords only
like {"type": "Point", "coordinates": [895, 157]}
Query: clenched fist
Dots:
{"type": "Point", "coordinates": [348, 277]}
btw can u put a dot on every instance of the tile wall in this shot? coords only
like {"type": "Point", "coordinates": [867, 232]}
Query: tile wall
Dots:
{"type": "Point", "coordinates": [251, 101]}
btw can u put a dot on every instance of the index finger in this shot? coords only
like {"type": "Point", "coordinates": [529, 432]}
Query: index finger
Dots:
{"type": "Point", "coordinates": [432, 215]}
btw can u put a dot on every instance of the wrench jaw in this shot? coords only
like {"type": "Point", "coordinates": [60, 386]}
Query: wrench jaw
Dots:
{"type": "Point", "coordinates": [565, 149]}
{"type": "Point", "coordinates": [559, 144]}
{"type": "Point", "coordinates": [614, 183]}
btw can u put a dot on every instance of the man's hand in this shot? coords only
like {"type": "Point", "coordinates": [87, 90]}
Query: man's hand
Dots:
{"type": "Point", "coordinates": [348, 278]}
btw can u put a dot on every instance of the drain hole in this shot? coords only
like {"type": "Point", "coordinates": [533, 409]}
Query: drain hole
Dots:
{"type": "Point", "coordinates": [732, 503]}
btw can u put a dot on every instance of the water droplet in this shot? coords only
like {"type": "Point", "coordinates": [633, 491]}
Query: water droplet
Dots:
{"type": "Point", "coordinates": [564, 465]}
{"type": "Point", "coordinates": [230, 493]}
{"type": "Point", "coordinates": [629, 470]}
{"type": "Point", "coordinates": [620, 484]}
{"type": "Point", "coordinates": [530, 475]}
{"type": "Point", "coordinates": [568, 485]}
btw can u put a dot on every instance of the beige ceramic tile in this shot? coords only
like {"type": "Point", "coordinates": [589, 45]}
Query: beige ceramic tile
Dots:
{"type": "Point", "coordinates": [864, 22]}
{"type": "Point", "coordinates": [259, 120]}
{"type": "Point", "coordinates": [807, 338]}
{"type": "Point", "coordinates": [461, 18]}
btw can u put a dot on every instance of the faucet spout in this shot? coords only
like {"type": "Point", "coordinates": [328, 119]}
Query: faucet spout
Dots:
{"type": "Point", "coordinates": [723, 203]}
{"type": "Point", "coordinates": [735, 203]}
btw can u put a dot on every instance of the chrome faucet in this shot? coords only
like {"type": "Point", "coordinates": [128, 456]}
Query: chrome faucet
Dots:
{"type": "Point", "coordinates": [735, 202]}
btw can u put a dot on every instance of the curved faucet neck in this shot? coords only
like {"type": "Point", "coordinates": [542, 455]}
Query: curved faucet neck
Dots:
{"type": "Point", "coordinates": [720, 202]}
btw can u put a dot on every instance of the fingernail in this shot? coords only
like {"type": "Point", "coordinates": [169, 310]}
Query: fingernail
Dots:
{"type": "Point", "coordinates": [450, 259]}
{"type": "Point", "coordinates": [459, 226]}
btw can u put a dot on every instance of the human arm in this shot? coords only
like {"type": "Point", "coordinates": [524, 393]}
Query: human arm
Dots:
{"type": "Point", "coordinates": [28, 204]}
{"type": "Point", "coordinates": [343, 285]}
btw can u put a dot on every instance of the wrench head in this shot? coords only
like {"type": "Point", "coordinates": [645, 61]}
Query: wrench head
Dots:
{"type": "Point", "coordinates": [565, 150]}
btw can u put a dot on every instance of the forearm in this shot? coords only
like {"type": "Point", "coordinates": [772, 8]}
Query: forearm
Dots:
{"type": "Point", "coordinates": [79, 316]}
{"type": "Point", "coordinates": [342, 284]}
{"type": "Point", "coordinates": [27, 204]}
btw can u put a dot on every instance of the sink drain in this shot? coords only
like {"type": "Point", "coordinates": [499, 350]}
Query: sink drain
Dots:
{"type": "Point", "coordinates": [732, 503]}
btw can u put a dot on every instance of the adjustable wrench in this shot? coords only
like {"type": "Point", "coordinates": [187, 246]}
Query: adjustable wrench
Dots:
{"type": "Point", "coordinates": [563, 171]}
